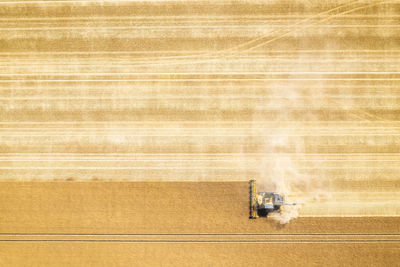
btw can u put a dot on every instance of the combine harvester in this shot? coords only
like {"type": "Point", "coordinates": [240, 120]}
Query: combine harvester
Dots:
{"type": "Point", "coordinates": [262, 203]}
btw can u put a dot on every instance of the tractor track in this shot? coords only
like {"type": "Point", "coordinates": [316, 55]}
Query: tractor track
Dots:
{"type": "Point", "coordinates": [202, 238]}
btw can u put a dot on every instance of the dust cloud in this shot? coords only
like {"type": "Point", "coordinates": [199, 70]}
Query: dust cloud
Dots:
{"type": "Point", "coordinates": [284, 165]}
{"type": "Point", "coordinates": [280, 175]}
{"type": "Point", "coordinates": [286, 214]}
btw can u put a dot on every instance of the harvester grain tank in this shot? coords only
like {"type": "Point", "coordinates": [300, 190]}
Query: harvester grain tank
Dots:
{"type": "Point", "coordinates": [262, 203]}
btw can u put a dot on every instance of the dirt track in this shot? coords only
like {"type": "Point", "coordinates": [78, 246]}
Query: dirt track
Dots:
{"type": "Point", "coordinates": [301, 95]}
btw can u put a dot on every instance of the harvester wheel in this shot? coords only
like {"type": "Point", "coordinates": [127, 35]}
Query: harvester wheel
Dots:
{"type": "Point", "coordinates": [262, 212]}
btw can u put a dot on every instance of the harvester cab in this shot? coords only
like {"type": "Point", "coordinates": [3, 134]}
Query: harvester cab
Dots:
{"type": "Point", "coordinates": [262, 203]}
